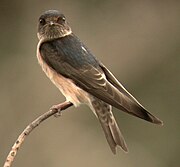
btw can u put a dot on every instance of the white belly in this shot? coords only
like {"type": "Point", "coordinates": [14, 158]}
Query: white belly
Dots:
{"type": "Point", "coordinates": [72, 93]}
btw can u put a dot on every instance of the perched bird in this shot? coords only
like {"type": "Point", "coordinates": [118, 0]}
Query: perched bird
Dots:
{"type": "Point", "coordinates": [82, 78]}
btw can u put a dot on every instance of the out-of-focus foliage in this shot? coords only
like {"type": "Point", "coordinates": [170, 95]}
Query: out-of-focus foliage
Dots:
{"type": "Point", "coordinates": [138, 40]}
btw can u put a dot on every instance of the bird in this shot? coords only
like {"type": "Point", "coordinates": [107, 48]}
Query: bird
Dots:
{"type": "Point", "coordinates": [83, 79]}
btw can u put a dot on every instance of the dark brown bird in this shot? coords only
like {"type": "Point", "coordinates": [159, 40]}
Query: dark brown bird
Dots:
{"type": "Point", "coordinates": [82, 78]}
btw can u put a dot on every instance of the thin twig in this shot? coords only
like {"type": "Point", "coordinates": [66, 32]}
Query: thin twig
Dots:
{"type": "Point", "coordinates": [53, 111]}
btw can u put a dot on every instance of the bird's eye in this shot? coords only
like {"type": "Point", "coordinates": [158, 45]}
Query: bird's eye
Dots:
{"type": "Point", "coordinates": [42, 21]}
{"type": "Point", "coordinates": [61, 19]}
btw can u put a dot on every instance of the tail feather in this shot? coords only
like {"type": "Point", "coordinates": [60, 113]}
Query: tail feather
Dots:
{"type": "Point", "coordinates": [111, 130]}
{"type": "Point", "coordinates": [109, 137]}
{"type": "Point", "coordinates": [118, 137]}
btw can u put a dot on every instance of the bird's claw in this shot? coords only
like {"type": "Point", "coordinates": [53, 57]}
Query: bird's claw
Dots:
{"type": "Point", "coordinates": [58, 109]}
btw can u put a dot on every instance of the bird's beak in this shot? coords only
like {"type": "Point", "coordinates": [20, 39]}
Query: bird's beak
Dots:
{"type": "Point", "coordinates": [52, 23]}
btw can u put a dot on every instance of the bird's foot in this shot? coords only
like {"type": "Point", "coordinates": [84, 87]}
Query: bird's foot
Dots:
{"type": "Point", "coordinates": [58, 108]}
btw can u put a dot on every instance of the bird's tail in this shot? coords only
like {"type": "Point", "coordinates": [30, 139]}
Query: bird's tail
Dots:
{"type": "Point", "coordinates": [111, 130]}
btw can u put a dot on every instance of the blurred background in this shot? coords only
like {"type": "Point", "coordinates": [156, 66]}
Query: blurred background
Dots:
{"type": "Point", "coordinates": [138, 40]}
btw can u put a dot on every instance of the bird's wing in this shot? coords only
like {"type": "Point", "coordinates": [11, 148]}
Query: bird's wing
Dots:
{"type": "Point", "coordinates": [97, 81]}
{"type": "Point", "coordinates": [106, 87]}
{"type": "Point", "coordinates": [111, 78]}
{"type": "Point", "coordinates": [93, 81]}
{"type": "Point", "coordinates": [137, 109]}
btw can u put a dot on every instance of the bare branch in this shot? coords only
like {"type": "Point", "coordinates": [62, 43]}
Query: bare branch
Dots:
{"type": "Point", "coordinates": [53, 111]}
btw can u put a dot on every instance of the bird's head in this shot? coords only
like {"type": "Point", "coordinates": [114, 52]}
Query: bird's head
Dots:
{"type": "Point", "coordinates": [52, 25]}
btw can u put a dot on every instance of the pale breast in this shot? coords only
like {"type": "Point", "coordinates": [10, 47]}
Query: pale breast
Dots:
{"type": "Point", "coordinates": [72, 92]}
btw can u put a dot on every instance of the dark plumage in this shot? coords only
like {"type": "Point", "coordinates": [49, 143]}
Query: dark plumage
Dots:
{"type": "Point", "coordinates": [84, 79]}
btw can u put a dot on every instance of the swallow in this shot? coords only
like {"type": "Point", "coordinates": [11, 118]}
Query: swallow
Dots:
{"type": "Point", "coordinates": [83, 79]}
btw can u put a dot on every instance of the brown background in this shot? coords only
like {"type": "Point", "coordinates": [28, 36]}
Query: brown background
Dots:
{"type": "Point", "coordinates": [138, 40]}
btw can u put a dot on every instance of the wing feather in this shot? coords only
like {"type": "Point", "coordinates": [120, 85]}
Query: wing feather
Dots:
{"type": "Point", "coordinates": [92, 76]}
